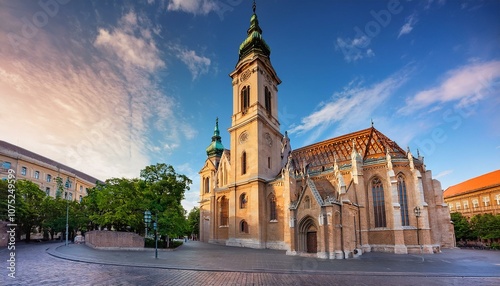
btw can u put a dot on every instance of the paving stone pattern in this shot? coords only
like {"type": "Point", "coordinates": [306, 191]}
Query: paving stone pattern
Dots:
{"type": "Point", "coordinates": [202, 264]}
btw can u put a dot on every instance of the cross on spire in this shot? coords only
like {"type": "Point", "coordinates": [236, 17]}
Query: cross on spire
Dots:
{"type": "Point", "coordinates": [254, 6]}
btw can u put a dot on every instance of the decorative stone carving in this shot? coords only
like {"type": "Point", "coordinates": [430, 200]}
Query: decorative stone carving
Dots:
{"type": "Point", "coordinates": [243, 137]}
{"type": "Point", "coordinates": [245, 75]}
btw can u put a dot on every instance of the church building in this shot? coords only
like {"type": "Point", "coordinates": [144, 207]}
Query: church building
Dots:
{"type": "Point", "coordinates": [334, 199]}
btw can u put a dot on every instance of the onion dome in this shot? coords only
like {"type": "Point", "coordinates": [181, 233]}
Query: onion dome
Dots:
{"type": "Point", "coordinates": [254, 41]}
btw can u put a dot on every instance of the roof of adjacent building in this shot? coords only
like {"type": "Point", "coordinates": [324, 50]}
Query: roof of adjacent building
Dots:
{"type": "Point", "coordinates": [18, 151]}
{"type": "Point", "coordinates": [482, 182]}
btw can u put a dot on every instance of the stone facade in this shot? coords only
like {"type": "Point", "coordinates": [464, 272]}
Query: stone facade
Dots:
{"type": "Point", "coordinates": [105, 239]}
{"type": "Point", "coordinates": [333, 199]}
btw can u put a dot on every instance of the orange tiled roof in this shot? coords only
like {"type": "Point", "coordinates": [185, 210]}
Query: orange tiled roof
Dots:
{"type": "Point", "coordinates": [370, 143]}
{"type": "Point", "coordinates": [481, 182]}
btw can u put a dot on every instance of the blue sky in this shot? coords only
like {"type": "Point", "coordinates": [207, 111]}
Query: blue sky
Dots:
{"type": "Point", "coordinates": [109, 87]}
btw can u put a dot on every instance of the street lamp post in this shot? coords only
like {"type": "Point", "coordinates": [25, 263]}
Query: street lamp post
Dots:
{"type": "Point", "coordinates": [67, 210]}
{"type": "Point", "coordinates": [156, 235]}
{"type": "Point", "coordinates": [418, 212]}
{"type": "Point", "coordinates": [67, 221]}
{"type": "Point", "coordinates": [147, 220]}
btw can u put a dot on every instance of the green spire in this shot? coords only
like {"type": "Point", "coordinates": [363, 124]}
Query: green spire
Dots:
{"type": "Point", "coordinates": [215, 148]}
{"type": "Point", "coordinates": [254, 41]}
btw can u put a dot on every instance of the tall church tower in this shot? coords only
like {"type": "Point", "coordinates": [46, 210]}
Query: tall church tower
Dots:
{"type": "Point", "coordinates": [255, 136]}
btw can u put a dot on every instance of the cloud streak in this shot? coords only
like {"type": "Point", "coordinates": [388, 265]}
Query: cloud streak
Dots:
{"type": "Point", "coordinates": [202, 7]}
{"type": "Point", "coordinates": [465, 85]}
{"type": "Point", "coordinates": [131, 43]}
{"type": "Point", "coordinates": [196, 64]}
{"type": "Point", "coordinates": [408, 26]}
{"type": "Point", "coordinates": [93, 103]}
{"type": "Point", "coordinates": [350, 107]}
{"type": "Point", "coordinates": [443, 174]}
{"type": "Point", "coordinates": [354, 49]}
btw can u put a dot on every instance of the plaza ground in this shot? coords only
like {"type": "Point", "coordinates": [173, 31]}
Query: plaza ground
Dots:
{"type": "Point", "coordinates": [197, 263]}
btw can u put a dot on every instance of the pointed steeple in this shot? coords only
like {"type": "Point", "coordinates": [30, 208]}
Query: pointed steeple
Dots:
{"type": "Point", "coordinates": [215, 148]}
{"type": "Point", "coordinates": [254, 41]}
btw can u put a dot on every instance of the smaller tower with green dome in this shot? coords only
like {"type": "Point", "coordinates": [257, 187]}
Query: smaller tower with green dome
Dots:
{"type": "Point", "coordinates": [215, 148]}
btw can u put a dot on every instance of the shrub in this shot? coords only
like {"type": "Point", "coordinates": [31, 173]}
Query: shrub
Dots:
{"type": "Point", "coordinates": [150, 243]}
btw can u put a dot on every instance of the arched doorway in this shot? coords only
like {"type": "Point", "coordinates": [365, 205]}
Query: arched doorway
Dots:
{"type": "Point", "coordinates": [308, 238]}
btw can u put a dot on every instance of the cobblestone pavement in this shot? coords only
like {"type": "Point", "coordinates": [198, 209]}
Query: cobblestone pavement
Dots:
{"type": "Point", "coordinates": [203, 264]}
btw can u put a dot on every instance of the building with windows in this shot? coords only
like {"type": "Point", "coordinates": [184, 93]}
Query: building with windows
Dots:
{"type": "Point", "coordinates": [479, 195]}
{"type": "Point", "coordinates": [338, 198]}
{"type": "Point", "coordinates": [44, 172]}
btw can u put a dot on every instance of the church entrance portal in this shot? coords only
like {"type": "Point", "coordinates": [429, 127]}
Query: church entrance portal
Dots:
{"type": "Point", "coordinates": [312, 243]}
{"type": "Point", "coordinates": [308, 239]}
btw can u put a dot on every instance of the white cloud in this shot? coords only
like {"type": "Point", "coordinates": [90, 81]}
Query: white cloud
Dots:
{"type": "Point", "coordinates": [351, 107]}
{"type": "Point", "coordinates": [355, 49]}
{"type": "Point", "coordinates": [408, 26]}
{"type": "Point", "coordinates": [131, 43]}
{"type": "Point", "coordinates": [92, 104]}
{"type": "Point", "coordinates": [465, 85]}
{"type": "Point", "coordinates": [193, 6]}
{"type": "Point", "coordinates": [196, 64]}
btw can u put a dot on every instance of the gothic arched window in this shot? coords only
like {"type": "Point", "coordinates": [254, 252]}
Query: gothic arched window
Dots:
{"type": "Point", "coordinates": [244, 163]}
{"type": "Point", "coordinates": [403, 201]}
{"type": "Point", "coordinates": [378, 203]}
{"type": "Point", "coordinates": [224, 211]}
{"type": "Point", "coordinates": [243, 226]}
{"type": "Point", "coordinates": [267, 99]}
{"type": "Point", "coordinates": [245, 98]}
{"type": "Point", "coordinates": [243, 201]}
{"type": "Point", "coordinates": [272, 208]}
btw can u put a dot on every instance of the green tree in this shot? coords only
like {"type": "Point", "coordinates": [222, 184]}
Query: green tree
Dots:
{"type": "Point", "coordinates": [193, 222]}
{"type": "Point", "coordinates": [4, 192]}
{"type": "Point", "coordinates": [462, 227]}
{"type": "Point", "coordinates": [91, 206]}
{"type": "Point", "coordinates": [486, 226]}
{"type": "Point", "coordinates": [29, 200]}
{"type": "Point", "coordinates": [53, 216]}
{"type": "Point", "coordinates": [118, 205]}
{"type": "Point", "coordinates": [163, 191]}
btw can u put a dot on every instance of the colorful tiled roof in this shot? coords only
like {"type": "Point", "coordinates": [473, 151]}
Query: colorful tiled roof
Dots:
{"type": "Point", "coordinates": [478, 183]}
{"type": "Point", "coordinates": [369, 143]}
